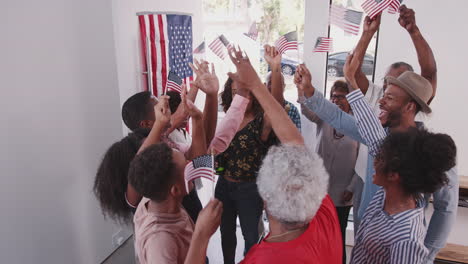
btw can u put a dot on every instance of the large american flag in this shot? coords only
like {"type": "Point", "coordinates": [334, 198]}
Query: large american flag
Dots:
{"type": "Point", "coordinates": [169, 48]}
{"type": "Point", "coordinates": [287, 42]}
{"type": "Point", "coordinates": [253, 32]}
{"type": "Point", "coordinates": [219, 46]}
{"type": "Point", "coordinates": [346, 19]}
{"type": "Point", "coordinates": [200, 167]}
{"type": "Point", "coordinates": [324, 44]}
{"type": "Point", "coordinates": [375, 7]}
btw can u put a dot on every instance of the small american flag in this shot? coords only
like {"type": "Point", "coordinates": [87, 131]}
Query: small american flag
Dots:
{"type": "Point", "coordinates": [394, 7]}
{"type": "Point", "coordinates": [174, 82]}
{"type": "Point", "coordinates": [200, 167]}
{"type": "Point", "coordinates": [324, 44]}
{"type": "Point", "coordinates": [346, 19]}
{"type": "Point", "coordinates": [219, 45]}
{"type": "Point", "coordinates": [200, 49]}
{"type": "Point", "coordinates": [375, 7]}
{"type": "Point", "coordinates": [253, 32]}
{"type": "Point", "coordinates": [287, 42]}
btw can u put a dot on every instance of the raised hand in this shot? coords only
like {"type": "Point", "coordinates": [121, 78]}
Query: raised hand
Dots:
{"type": "Point", "coordinates": [209, 219]}
{"type": "Point", "coordinates": [350, 68]}
{"type": "Point", "coordinates": [206, 81]}
{"type": "Point", "coordinates": [189, 106]}
{"type": "Point", "coordinates": [246, 76]}
{"type": "Point", "coordinates": [162, 111]}
{"type": "Point", "coordinates": [407, 19]}
{"type": "Point", "coordinates": [272, 57]}
{"type": "Point", "coordinates": [303, 81]}
{"type": "Point", "coordinates": [372, 25]}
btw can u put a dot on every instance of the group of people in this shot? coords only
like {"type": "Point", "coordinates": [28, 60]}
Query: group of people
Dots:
{"type": "Point", "coordinates": [372, 155]}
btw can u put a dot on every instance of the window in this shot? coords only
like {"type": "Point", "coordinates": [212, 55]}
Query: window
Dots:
{"type": "Point", "coordinates": [273, 18]}
{"type": "Point", "coordinates": [343, 43]}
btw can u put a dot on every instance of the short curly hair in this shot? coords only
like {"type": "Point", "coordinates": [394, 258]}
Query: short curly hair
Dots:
{"type": "Point", "coordinates": [293, 182]}
{"type": "Point", "coordinates": [136, 109]}
{"type": "Point", "coordinates": [421, 158]}
{"type": "Point", "coordinates": [152, 172]}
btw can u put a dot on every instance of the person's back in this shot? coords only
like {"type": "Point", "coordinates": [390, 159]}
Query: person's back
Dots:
{"type": "Point", "coordinates": [170, 233]}
{"type": "Point", "coordinates": [318, 244]}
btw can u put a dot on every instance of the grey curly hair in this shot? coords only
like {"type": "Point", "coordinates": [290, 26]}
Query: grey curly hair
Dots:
{"type": "Point", "coordinates": [293, 182]}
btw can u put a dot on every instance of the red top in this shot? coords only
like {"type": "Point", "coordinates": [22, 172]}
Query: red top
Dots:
{"type": "Point", "coordinates": [320, 243]}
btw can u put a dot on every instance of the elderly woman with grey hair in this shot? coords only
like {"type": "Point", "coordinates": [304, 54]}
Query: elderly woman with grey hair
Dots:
{"type": "Point", "coordinates": [293, 185]}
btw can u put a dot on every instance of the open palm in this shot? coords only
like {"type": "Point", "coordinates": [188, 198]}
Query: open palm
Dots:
{"type": "Point", "coordinates": [206, 80]}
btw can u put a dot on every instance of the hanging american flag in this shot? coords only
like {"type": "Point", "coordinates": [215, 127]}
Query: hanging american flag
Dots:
{"type": "Point", "coordinates": [253, 32]}
{"type": "Point", "coordinates": [174, 82]}
{"type": "Point", "coordinates": [375, 7]}
{"type": "Point", "coordinates": [394, 7]}
{"type": "Point", "coordinates": [200, 49]}
{"type": "Point", "coordinates": [169, 48]}
{"type": "Point", "coordinates": [287, 42]}
{"type": "Point", "coordinates": [324, 44]}
{"type": "Point", "coordinates": [219, 46]}
{"type": "Point", "coordinates": [346, 19]}
{"type": "Point", "coordinates": [200, 167]}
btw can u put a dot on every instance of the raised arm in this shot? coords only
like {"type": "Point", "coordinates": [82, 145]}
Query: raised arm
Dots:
{"type": "Point", "coordinates": [198, 146]}
{"type": "Point", "coordinates": [327, 111]}
{"type": "Point", "coordinates": [228, 126]}
{"type": "Point", "coordinates": [273, 58]}
{"type": "Point", "coordinates": [301, 81]}
{"type": "Point", "coordinates": [207, 82]}
{"type": "Point", "coordinates": [163, 117]}
{"type": "Point", "coordinates": [208, 221]}
{"type": "Point", "coordinates": [426, 57]}
{"type": "Point", "coordinates": [369, 125]}
{"type": "Point", "coordinates": [246, 76]}
{"type": "Point", "coordinates": [370, 27]}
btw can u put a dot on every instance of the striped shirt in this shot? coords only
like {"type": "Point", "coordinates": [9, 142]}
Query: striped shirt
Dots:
{"type": "Point", "coordinates": [394, 239]}
{"type": "Point", "coordinates": [293, 113]}
{"type": "Point", "coordinates": [368, 124]}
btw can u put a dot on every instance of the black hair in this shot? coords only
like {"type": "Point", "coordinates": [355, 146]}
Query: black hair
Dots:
{"type": "Point", "coordinates": [226, 98]}
{"type": "Point", "coordinates": [339, 85]}
{"type": "Point", "coordinates": [421, 158]}
{"type": "Point", "coordinates": [399, 64]}
{"type": "Point", "coordinates": [110, 183]}
{"type": "Point", "coordinates": [150, 178]}
{"type": "Point", "coordinates": [136, 109]}
{"type": "Point", "coordinates": [174, 100]}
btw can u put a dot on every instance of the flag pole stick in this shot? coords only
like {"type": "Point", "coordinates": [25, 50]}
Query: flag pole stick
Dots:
{"type": "Point", "coordinates": [149, 73]}
{"type": "Point", "coordinates": [213, 167]}
{"type": "Point", "coordinates": [298, 55]}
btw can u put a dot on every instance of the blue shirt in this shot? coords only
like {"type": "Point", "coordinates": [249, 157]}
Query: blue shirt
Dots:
{"type": "Point", "coordinates": [445, 200]}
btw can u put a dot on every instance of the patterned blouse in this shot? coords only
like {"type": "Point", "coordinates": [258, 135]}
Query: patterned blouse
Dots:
{"type": "Point", "coordinates": [244, 156]}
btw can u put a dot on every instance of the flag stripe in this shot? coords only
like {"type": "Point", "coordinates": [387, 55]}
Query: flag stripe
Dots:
{"type": "Point", "coordinates": [153, 53]}
{"type": "Point", "coordinates": [143, 51]}
{"type": "Point", "coordinates": [157, 70]}
{"type": "Point", "coordinates": [163, 50]}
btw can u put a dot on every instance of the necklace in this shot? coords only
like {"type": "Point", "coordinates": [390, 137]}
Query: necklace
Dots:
{"type": "Point", "coordinates": [285, 233]}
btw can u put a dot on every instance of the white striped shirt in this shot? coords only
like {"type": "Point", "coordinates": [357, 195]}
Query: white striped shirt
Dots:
{"type": "Point", "coordinates": [369, 126]}
{"type": "Point", "coordinates": [394, 239]}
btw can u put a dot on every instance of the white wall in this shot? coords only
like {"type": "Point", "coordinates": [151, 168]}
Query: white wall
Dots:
{"type": "Point", "coordinates": [58, 113]}
{"type": "Point", "coordinates": [449, 41]}
{"type": "Point", "coordinates": [127, 36]}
